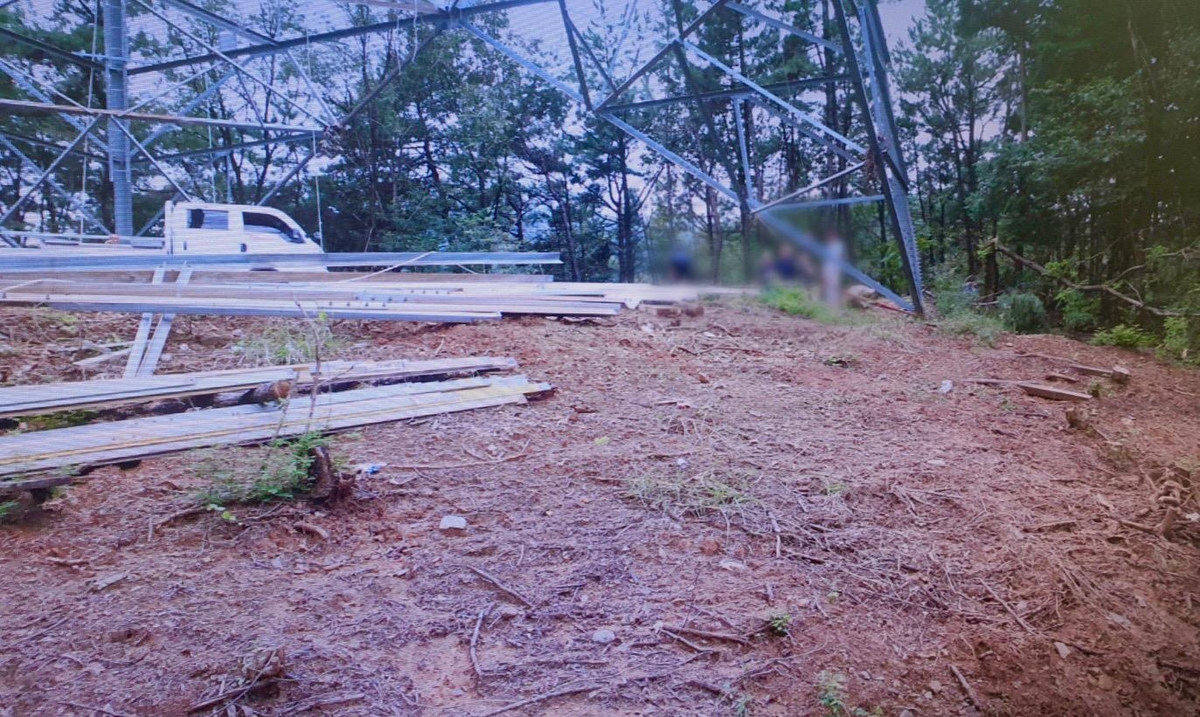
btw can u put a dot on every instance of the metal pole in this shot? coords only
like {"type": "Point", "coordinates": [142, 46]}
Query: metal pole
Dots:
{"type": "Point", "coordinates": [116, 61]}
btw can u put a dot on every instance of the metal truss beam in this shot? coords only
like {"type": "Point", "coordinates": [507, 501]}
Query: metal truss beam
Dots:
{"type": "Point", "coordinates": [734, 94]}
{"type": "Point", "coordinates": [222, 150]}
{"type": "Point", "coordinates": [445, 17]}
{"type": "Point", "coordinates": [785, 27]}
{"type": "Point", "coordinates": [84, 62]}
{"type": "Point", "coordinates": [24, 106]}
{"type": "Point", "coordinates": [72, 200]}
{"type": "Point", "coordinates": [784, 206]}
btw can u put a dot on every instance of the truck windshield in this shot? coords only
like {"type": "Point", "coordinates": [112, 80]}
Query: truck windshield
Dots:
{"type": "Point", "coordinates": [270, 224]}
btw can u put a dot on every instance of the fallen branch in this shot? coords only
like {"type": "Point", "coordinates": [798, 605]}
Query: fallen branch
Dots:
{"type": "Point", "coordinates": [709, 635]}
{"type": "Point", "coordinates": [475, 639]}
{"type": "Point", "coordinates": [684, 640]}
{"type": "Point", "coordinates": [966, 686]}
{"type": "Point", "coordinates": [542, 698]}
{"type": "Point", "coordinates": [501, 586]}
{"type": "Point", "coordinates": [180, 515]}
{"type": "Point", "coordinates": [1011, 611]}
{"type": "Point", "coordinates": [1104, 288]}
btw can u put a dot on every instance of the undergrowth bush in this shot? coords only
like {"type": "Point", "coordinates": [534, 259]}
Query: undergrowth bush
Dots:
{"type": "Point", "coordinates": [1124, 336]}
{"type": "Point", "coordinates": [278, 471]}
{"type": "Point", "coordinates": [1080, 312]}
{"type": "Point", "coordinates": [1023, 313]}
{"type": "Point", "coordinates": [795, 300]}
{"type": "Point", "coordinates": [957, 314]}
{"type": "Point", "coordinates": [1180, 337]}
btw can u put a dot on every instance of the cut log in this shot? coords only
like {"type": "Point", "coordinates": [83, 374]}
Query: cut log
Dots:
{"type": "Point", "coordinates": [1092, 371]}
{"type": "Point", "coordinates": [1121, 375]}
{"type": "Point", "coordinates": [267, 393]}
{"type": "Point", "coordinates": [1052, 393]}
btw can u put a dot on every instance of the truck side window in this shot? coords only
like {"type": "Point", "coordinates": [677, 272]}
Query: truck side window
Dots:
{"type": "Point", "coordinates": [270, 224]}
{"type": "Point", "coordinates": [208, 219]}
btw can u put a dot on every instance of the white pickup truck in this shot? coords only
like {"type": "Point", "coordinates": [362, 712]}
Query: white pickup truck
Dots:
{"type": "Point", "coordinates": [201, 228]}
{"type": "Point", "coordinates": [189, 228]}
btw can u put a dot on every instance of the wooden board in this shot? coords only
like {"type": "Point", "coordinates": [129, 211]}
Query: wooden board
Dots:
{"type": "Point", "coordinates": [105, 443]}
{"type": "Point", "coordinates": [1053, 393]}
{"type": "Point", "coordinates": [110, 393]}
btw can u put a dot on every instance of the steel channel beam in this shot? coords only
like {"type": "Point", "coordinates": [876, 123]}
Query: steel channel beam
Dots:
{"type": "Point", "coordinates": [734, 94]}
{"type": "Point", "coordinates": [126, 262]}
{"type": "Point", "coordinates": [278, 46]}
{"type": "Point", "coordinates": [36, 107]}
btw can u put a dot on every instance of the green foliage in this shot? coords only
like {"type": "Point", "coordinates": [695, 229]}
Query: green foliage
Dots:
{"type": "Point", "coordinates": [780, 624]}
{"type": "Point", "coordinates": [831, 693]}
{"type": "Point", "coordinates": [8, 509]}
{"type": "Point", "coordinates": [1023, 313]}
{"type": "Point", "coordinates": [279, 471]}
{"type": "Point", "coordinates": [1180, 336]}
{"type": "Point", "coordinates": [61, 419]}
{"type": "Point", "coordinates": [1127, 337]}
{"type": "Point", "coordinates": [796, 301]}
{"type": "Point", "coordinates": [1080, 312]}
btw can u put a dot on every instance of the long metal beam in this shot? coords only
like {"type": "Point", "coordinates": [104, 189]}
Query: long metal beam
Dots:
{"type": "Point", "coordinates": [786, 106]}
{"type": "Point", "coordinates": [733, 94]}
{"type": "Point", "coordinates": [28, 261]}
{"type": "Point", "coordinates": [84, 62]}
{"type": "Point", "coordinates": [785, 27]}
{"type": "Point", "coordinates": [27, 107]}
{"type": "Point", "coordinates": [278, 46]}
{"type": "Point", "coordinates": [226, 149]}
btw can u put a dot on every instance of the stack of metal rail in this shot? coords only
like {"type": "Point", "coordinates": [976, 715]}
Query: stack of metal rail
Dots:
{"type": "Point", "coordinates": [204, 285]}
{"type": "Point", "coordinates": [302, 399]}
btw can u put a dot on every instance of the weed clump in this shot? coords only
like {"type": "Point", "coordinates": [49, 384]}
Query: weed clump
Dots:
{"type": "Point", "coordinates": [284, 344]}
{"type": "Point", "coordinates": [280, 471]}
{"type": "Point", "coordinates": [796, 301]}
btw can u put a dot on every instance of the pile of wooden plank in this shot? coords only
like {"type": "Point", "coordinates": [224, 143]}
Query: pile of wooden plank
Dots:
{"type": "Point", "coordinates": [317, 409]}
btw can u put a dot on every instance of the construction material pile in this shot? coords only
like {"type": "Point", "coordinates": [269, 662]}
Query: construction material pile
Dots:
{"type": "Point", "coordinates": [335, 295]}
{"type": "Point", "coordinates": [241, 407]}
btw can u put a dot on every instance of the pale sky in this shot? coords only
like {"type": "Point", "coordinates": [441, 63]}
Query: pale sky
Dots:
{"type": "Point", "coordinates": [898, 16]}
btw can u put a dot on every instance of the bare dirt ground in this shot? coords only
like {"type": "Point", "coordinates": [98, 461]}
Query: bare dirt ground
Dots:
{"type": "Point", "coordinates": [746, 513]}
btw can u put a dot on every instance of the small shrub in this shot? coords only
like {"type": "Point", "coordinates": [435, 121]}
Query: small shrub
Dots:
{"type": "Point", "coordinates": [1177, 339]}
{"type": "Point", "coordinates": [780, 624]}
{"type": "Point", "coordinates": [1080, 312]}
{"type": "Point", "coordinates": [1024, 313]}
{"type": "Point", "coordinates": [1126, 337]}
{"type": "Point", "coordinates": [278, 472]}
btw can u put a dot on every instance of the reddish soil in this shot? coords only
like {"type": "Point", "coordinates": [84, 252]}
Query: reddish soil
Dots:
{"type": "Point", "coordinates": [919, 551]}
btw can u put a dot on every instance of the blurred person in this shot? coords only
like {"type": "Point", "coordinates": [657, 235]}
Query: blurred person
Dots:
{"type": "Point", "coordinates": [831, 269]}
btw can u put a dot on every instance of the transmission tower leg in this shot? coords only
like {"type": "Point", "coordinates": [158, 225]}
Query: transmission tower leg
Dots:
{"type": "Point", "coordinates": [116, 51]}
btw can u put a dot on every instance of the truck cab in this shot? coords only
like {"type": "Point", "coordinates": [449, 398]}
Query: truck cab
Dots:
{"type": "Point", "coordinates": [203, 228]}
